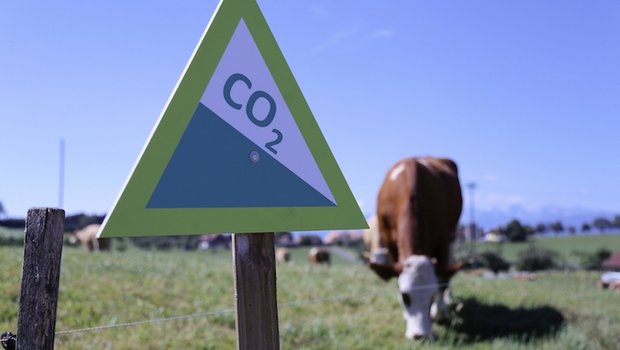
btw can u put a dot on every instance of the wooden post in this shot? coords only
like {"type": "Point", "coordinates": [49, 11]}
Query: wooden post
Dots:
{"type": "Point", "coordinates": [255, 291]}
{"type": "Point", "coordinates": [36, 321]}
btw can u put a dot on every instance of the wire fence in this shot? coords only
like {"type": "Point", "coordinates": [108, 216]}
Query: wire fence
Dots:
{"type": "Point", "coordinates": [231, 310]}
{"type": "Point", "coordinates": [138, 323]}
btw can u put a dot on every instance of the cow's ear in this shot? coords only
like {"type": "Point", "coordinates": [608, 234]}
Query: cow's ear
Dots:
{"type": "Point", "coordinates": [386, 272]}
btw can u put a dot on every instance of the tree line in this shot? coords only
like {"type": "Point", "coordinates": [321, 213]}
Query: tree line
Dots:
{"type": "Point", "coordinates": [72, 222]}
{"type": "Point", "coordinates": [515, 231]}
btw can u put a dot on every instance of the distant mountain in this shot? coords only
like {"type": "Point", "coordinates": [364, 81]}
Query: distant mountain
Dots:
{"type": "Point", "coordinates": [569, 216]}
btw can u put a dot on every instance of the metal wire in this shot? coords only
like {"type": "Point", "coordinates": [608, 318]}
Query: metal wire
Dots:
{"type": "Point", "coordinates": [228, 311]}
{"type": "Point", "coordinates": [137, 323]}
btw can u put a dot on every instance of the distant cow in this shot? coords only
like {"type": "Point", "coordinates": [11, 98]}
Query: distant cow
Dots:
{"type": "Point", "coordinates": [283, 255]}
{"type": "Point", "coordinates": [88, 239]}
{"type": "Point", "coordinates": [376, 251]}
{"type": "Point", "coordinates": [610, 280]}
{"type": "Point", "coordinates": [418, 209]}
{"type": "Point", "coordinates": [319, 255]}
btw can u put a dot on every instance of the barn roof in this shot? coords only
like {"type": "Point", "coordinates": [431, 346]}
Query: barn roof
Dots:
{"type": "Point", "coordinates": [613, 262]}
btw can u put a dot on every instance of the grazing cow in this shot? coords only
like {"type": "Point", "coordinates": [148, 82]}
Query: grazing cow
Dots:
{"type": "Point", "coordinates": [418, 209]}
{"type": "Point", "coordinates": [283, 255]}
{"type": "Point", "coordinates": [319, 255]}
{"type": "Point", "coordinates": [375, 250]}
{"type": "Point", "coordinates": [610, 280]}
{"type": "Point", "coordinates": [371, 236]}
{"type": "Point", "coordinates": [88, 239]}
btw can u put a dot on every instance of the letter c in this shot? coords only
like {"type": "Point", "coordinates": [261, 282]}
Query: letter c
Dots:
{"type": "Point", "coordinates": [228, 87]}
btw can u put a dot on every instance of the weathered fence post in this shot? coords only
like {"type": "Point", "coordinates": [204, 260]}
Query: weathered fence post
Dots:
{"type": "Point", "coordinates": [36, 322]}
{"type": "Point", "coordinates": [255, 291]}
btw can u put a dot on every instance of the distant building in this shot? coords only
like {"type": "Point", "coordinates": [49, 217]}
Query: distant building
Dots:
{"type": "Point", "coordinates": [613, 263]}
{"type": "Point", "coordinates": [461, 234]}
{"type": "Point", "coordinates": [494, 237]}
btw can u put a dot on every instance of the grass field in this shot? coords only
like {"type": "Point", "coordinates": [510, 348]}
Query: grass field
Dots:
{"type": "Point", "coordinates": [566, 246]}
{"type": "Point", "coordinates": [559, 310]}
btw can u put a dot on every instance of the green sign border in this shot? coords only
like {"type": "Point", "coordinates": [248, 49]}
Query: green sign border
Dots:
{"type": "Point", "coordinates": [130, 217]}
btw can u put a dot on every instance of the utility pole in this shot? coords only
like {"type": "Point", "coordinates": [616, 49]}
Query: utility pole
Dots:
{"type": "Point", "coordinates": [61, 174]}
{"type": "Point", "coordinates": [472, 223]}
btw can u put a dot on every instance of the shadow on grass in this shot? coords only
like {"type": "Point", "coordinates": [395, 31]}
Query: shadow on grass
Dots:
{"type": "Point", "coordinates": [478, 321]}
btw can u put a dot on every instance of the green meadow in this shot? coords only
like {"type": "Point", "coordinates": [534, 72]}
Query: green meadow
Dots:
{"type": "Point", "coordinates": [344, 306]}
{"type": "Point", "coordinates": [568, 247]}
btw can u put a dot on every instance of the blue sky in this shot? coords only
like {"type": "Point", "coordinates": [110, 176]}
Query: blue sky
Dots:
{"type": "Point", "coordinates": [522, 94]}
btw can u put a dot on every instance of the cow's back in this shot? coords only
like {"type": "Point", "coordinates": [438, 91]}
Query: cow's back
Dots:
{"type": "Point", "coordinates": [418, 207]}
{"type": "Point", "coordinates": [88, 238]}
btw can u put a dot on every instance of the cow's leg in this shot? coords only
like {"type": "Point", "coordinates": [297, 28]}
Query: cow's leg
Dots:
{"type": "Point", "coordinates": [441, 304]}
{"type": "Point", "coordinates": [445, 271]}
{"type": "Point", "coordinates": [380, 256]}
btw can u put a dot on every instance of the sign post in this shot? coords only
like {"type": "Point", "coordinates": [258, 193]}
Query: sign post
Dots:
{"type": "Point", "coordinates": [255, 291]}
{"type": "Point", "coordinates": [237, 149]}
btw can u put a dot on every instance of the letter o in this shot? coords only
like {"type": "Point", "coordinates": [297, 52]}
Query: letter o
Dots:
{"type": "Point", "coordinates": [250, 108]}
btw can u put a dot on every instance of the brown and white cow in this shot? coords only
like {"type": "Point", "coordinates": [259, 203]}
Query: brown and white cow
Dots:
{"type": "Point", "coordinates": [88, 239]}
{"type": "Point", "coordinates": [418, 209]}
{"type": "Point", "coordinates": [319, 255]}
{"type": "Point", "coordinates": [283, 255]}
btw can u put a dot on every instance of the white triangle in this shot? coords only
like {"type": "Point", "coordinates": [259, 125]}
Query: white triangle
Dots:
{"type": "Point", "coordinates": [243, 57]}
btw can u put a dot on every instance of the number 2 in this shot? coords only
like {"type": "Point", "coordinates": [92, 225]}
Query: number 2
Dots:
{"type": "Point", "coordinates": [278, 139]}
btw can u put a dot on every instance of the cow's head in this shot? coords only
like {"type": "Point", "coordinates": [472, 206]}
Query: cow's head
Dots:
{"type": "Point", "coordinates": [418, 287]}
{"type": "Point", "coordinates": [73, 238]}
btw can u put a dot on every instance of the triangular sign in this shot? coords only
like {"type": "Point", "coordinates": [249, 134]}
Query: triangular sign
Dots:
{"type": "Point", "coordinates": [237, 148]}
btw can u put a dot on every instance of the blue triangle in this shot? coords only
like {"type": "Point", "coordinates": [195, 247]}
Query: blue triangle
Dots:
{"type": "Point", "coordinates": [211, 168]}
